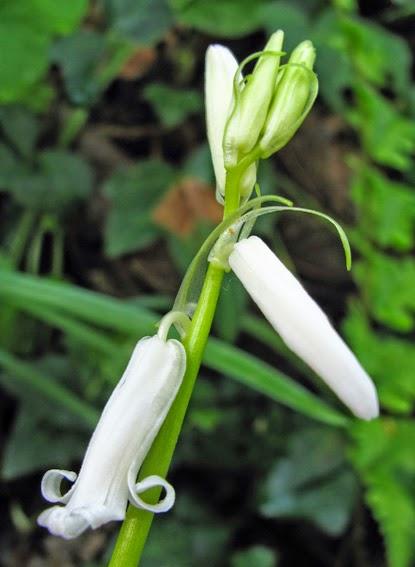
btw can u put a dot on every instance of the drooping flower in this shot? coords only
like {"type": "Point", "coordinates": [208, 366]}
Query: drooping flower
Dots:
{"type": "Point", "coordinates": [253, 118]}
{"type": "Point", "coordinates": [125, 432]}
{"type": "Point", "coordinates": [302, 324]}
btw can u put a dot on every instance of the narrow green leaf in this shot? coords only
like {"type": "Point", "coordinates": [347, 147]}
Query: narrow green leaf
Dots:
{"type": "Point", "coordinates": [261, 377]}
{"type": "Point", "coordinates": [96, 308]}
{"type": "Point", "coordinates": [92, 337]}
{"type": "Point", "coordinates": [26, 374]}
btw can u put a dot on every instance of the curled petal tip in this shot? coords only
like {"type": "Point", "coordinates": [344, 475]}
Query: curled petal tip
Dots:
{"type": "Point", "coordinates": [51, 485]}
{"type": "Point", "coordinates": [153, 481]}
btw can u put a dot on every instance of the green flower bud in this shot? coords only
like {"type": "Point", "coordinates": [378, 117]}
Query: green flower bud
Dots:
{"type": "Point", "coordinates": [252, 105]}
{"type": "Point", "coordinates": [295, 92]}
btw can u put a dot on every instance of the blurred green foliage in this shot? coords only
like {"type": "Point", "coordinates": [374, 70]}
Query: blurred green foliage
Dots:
{"type": "Point", "coordinates": [133, 192]}
{"type": "Point", "coordinates": [101, 118]}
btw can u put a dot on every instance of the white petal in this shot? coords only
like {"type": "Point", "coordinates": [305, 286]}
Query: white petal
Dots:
{"type": "Point", "coordinates": [60, 523]}
{"type": "Point", "coordinates": [126, 430]}
{"type": "Point", "coordinates": [220, 70]}
{"type": "Point", "coordinates": [152, 481]}
{"type": "Point", "coordinates": [303, 325]}
{"type": "Point", "coordinates": [51, 485]}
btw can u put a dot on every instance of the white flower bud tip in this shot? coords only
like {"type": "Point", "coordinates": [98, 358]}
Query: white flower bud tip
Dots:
{"type": "Point", "coordinates": [125, 432]}
{"type": "Point", "coordinates": [302, 324]}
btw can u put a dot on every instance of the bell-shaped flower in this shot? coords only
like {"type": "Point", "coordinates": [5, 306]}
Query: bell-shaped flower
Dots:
{"type": "Point", "coordinates": [220, 69]}
{"type": "Point", "coordinates": [125, 432]}
{"type": "Point", "coordinates": [302, 324]}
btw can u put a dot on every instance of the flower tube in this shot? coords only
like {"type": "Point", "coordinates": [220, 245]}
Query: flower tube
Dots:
{"type": "Point", "coordinates": [302, 324]}
{"type": "Point", "coordinates": [125, 432]}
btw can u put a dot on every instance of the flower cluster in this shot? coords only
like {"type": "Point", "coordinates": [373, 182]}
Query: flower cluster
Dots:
{"type": "Point", "coordinates": [252, 118]}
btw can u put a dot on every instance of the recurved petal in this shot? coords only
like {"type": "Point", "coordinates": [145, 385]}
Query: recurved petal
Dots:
{"type": "Point", "coordinates": [51, 485]}
{"type": "Point", "coordinates": [220, 70]}
{"type": "Point", "coordinates": [302, 324]}
{"type": "Point", "coordinates": [153, 481]}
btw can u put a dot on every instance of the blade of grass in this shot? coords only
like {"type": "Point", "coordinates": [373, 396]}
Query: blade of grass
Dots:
{"type": "Point", "coordinates": [261, 377]}
{"type": "Point", "coordinates": [108, 312]}
{"type": "Point", "coordinates": [27, 375]}
{"type": "Point", "coordinates": [79, 330]}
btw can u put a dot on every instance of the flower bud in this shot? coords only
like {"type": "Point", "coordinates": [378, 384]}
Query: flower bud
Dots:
{"type": "Point", "coordinates": [302, 325]}
{"type": "Point", "coordinates": [251, 108]}
{"type": "Point", "coordinates": [295, 93]}
{"type": "Point", "coordinates": [220, 69]}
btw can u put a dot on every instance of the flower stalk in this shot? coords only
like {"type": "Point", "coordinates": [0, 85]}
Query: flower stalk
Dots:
{"type": "Point", "coordinates": [136, 526]}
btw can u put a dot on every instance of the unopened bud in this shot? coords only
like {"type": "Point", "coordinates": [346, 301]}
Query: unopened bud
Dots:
{"type": "Point", "coordinates": [295, 93]}
{"type": "Point", "coordinates": [251, 109]}
{"type": "Point", "coordinates": [220, 70]}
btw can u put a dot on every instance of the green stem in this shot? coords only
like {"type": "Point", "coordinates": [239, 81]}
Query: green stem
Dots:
{"type": "Point", "coordinates": [232, 196]}
{"type": "Point", "coordinates": [20, 238]}
{"type": "Point", "coordinates": [137, 523]}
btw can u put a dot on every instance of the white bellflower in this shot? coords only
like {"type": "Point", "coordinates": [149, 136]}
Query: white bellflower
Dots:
{"type": "Point", "coordinates": [125, 432]}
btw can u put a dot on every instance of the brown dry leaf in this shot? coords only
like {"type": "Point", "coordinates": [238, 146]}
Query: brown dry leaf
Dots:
{"type": "Point", "coordinates": [189, 201]}
{"type": "Point", "coordinates": [138, 64]}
